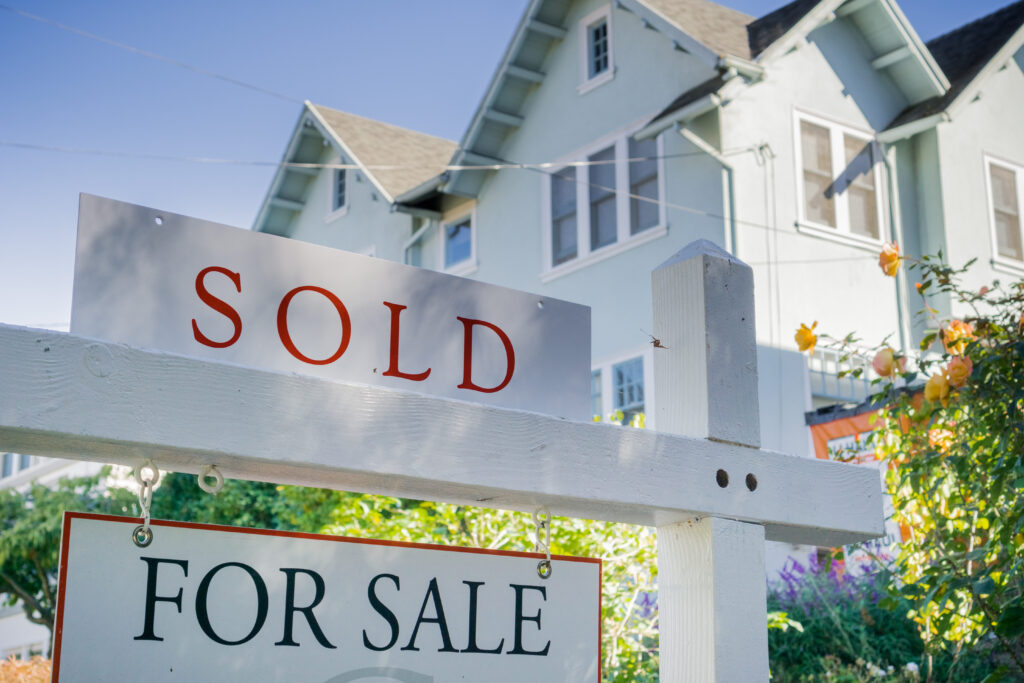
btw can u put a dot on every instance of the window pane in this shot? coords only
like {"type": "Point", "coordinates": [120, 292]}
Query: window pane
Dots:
{"type": "Point", "coordinates": [339, 187]}
{"type": "Point", "coordinates": [458, 242]}
{"type": "Point", "coordinates": [598, 39]}
{"type": "Point", "coordinates": [8, 466]}
{"type": "Point", "coordinates": [603, 230]}
{"type": "Point", "coordinates": [563, 215]}
{"type": "Point", "coordinates": [24, 460]}
{"type": "Point", "coordinates": [595, 393]}
{"type": "Point", "coordinates": [643, 182]}
{"type": "Point", "coordinates": [1007, 213]}
{"type": "Point", "coordinates": [819, 202]}
{"type": "Point", "coordinates": [860, 187]}
{"type": "Point", "coordinates": [628, 387]}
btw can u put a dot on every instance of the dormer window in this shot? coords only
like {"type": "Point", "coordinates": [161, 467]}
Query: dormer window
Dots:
{"type": "Point", "coordinates": [596, 63]}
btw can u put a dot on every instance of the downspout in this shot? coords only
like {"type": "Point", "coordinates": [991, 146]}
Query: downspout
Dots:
{"type": "Point", "coordinates": [902, 305]}
{"type": "Point", "coordinates": [727, 172]}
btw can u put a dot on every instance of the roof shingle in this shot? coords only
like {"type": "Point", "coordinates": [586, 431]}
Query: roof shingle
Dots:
{"type": "Point", "coordinates": [963, 53]}
{"type": "Point", "coordinates": [417, 157]}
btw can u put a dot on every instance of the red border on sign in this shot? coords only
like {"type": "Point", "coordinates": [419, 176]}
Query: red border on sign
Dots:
{"type": "Point", "coordinates": [58, 626]}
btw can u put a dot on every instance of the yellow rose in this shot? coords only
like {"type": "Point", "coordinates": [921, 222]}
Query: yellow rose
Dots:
{"type": "Point", "coordinates": [886, 362]}
{"type": "Point", "coordinates": [958, 370]}
{"type": "Point", "coordinates": [889, 260]}
{"type": "Point", "coordinates": [805, 337]}
{"type": "Point", "coordinates": [955, 337]}
{"type": "Point", "coordinates": [936, 389]}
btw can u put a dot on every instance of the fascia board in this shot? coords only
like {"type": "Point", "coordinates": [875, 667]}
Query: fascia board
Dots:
{"type": "Point", "coordinates": [469, 137]}
{"type": "Point", "coordinates": [1005, 54]}
{"type": "Point", "coordinates": [799, 31]}
{"type": "Point", "coordinates": [330, 134]}
{"type": "Point", "coordinates": [279, 173]}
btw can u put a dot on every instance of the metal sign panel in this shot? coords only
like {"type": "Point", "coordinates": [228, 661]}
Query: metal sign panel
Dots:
{"type": "Point", "coordinates": [161, 281]}
{"type": "Point", "coordinates": [208, 603]}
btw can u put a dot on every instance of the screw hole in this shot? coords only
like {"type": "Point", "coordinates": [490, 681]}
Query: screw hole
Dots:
{"type": "Point", "coordinates": [751, 482]}
{"type": "Point", "coordinates": [722, 477]}
{"type": "Point", "coordinates": [159, 220]}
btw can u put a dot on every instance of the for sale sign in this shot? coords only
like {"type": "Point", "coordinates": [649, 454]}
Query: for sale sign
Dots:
{"type": "Point", "coordinates": [161, 281]}
{"type": "Point", "coordinates": [208, 603]}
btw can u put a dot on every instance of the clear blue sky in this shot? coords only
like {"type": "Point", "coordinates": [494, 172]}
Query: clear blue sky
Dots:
{"type": "Point", "coordinates": [423, 65]}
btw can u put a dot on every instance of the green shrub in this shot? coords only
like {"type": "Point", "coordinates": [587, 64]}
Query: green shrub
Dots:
{"type": "Point", "coordinates": [853, 632]}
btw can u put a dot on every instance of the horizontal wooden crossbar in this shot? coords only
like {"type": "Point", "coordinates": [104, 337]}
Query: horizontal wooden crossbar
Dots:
{"type": "Point", "coordinates": [72, 397]}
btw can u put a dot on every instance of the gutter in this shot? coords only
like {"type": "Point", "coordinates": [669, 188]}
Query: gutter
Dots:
{"type": "Point", "coordinates": [902, 304]}
{"type": "Point", "coordinates": [420, 191]}
{"type": "Point", "coordinates": [908, 130]}
{"type": "Point", "coordinates": [680, 116]}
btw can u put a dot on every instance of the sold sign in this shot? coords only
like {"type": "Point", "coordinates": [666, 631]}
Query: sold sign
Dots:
{"type": "Point", "coordinates": [161, 281]}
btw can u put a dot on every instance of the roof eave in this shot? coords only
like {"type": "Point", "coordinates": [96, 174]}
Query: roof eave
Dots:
{"type": "Point", "coordinates": [275, 182]}
{"type": "Point", "coordinates": [682, 115]}
{"type": "Point", "coordinates": [912, 128]}
{"type": "Point", "coordinates": [1003, 56]}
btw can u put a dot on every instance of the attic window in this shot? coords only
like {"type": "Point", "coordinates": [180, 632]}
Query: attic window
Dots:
{"type": "Point", "coordinates": [337, 195]}
{"type": "Point", "coordinates": [595, 37]}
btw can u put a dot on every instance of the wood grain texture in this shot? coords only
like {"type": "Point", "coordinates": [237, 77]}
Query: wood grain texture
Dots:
{"type": "Point", "coordinates": [711, 602]}
{"type": "Point", "coordinates": [706, 377]}
{"type": "Point", "coordinates": [73, 397]}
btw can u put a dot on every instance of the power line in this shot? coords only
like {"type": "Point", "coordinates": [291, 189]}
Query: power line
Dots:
{"type": "Point", "coordinates": [150, 55]}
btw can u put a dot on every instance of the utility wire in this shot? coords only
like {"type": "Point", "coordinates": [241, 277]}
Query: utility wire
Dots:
{"type": "Point", "coordinates": [502, 165]}
{"type": "Point", "coordinates": [150, 55]}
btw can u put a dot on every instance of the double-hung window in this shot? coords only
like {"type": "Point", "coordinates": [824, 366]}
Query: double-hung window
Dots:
{"type": "Point", "coordinates": [839, 181]}
{"type": "Point", "coordinates": [1004, 189]}
{"type": "Point", "coordinates": [458, 247]}
{"type": "Point", "coordinates": [610, 201]}
{"type": "Point", "coordinates": [596, 57]}
{"type": "Point", "coordinates": [7, 468]}
{"type": "Point", "coordinates": [603, 230]}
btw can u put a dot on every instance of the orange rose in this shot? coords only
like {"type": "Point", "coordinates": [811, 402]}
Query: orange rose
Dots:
{"type": "Point", "coordinates": [889, 260]}
{"type": "Point", "coordinates": [940, 439]}
{"type": "Point", "coordinates": [886, 362]}
{"type": "Point", "coordinates": [805, 337]}
{"type": "Point", "coordinates": [956, 336]}
{"type": "Point", "coordinates": [936, 389]}
{"type": "Point", "coordinates": [958, 370]}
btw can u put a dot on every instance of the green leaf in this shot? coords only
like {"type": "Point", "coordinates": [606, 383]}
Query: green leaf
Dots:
{"type": "Point", "coordinates": [1011, 621]}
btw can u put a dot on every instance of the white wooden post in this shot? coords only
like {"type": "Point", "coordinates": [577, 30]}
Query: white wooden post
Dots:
{"type": "Point", "coordinates": [711, 574]}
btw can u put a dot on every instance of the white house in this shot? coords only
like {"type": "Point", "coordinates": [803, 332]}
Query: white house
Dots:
{"type": "Point", "coordinates": [615, 132]}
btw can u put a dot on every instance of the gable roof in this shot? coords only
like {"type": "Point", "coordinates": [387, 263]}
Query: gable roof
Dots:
{"type": "Point", "coordinates": [963, 54]}
{"type": "Point", "coordinates": [720, 28]}
{"type": "Point", "coordinates": [772, 26]}
{"type": "Point", "coordinates": [415, 157]}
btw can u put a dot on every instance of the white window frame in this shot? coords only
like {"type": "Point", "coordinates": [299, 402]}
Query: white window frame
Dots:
{"type": "Point", "coordinates": [334, 214]}
{"type": "Point", "coordinates": [1004, 263]}
{"type": "Point", "coordinates": [624, 240]}
{"type": "Point", "coordinates": [841, 232]}
{"type": "Point", "coordinates": [605, 365]}
{"type": "Point", "coordinates": [586, 82]}
{"type": "Point", "coordinates": [470, 264]}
